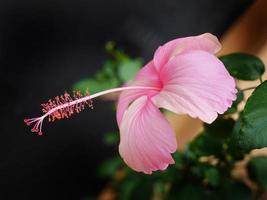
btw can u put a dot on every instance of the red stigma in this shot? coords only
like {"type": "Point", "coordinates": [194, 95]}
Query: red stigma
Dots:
{"type": "Point", "coordinates": [68, 110]}
{"type": "Point", "coordinates": [60, 107]}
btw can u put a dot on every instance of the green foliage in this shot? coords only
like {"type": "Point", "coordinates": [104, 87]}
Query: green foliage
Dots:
{"type": "Point", "coordinates": [239, 98]}
{"type": "Point", "coordinates": [253, 121]}
{"type": "Point", "coordinates": [128, 69]}
{"type": "Point", "coordinates": [213, 176]}
{"type": "Point", "coordinates": [120, 68]}
{"type": "Point", "coordinates": [95, 85]}
{"type": "Point", "coordinates": [243, 66]}
{"type": "Point", "coordinates": [137, 187]}
{"type": "Point", "coordinates": [235, 190]}
{"type": "Point", "coordinates": [88, 198]}
{"type": "Point", "coordinates": [221, 127]}
{"type": "Point", "coordinates": [257, 170]}
{"type": "Point", "coordinates": [189, 191]}
{"type": "Point", "coordinates": [110, 167]}
{"type": "Point", "coordinates": [205, 145]}
{"type": "Point", "coordinates": [111, 138]}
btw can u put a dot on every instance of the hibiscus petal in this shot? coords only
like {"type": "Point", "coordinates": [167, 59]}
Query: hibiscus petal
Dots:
{"type": "Point", "coordinates": [196, 83]}
{"type": "Point", "coordinates": [126, 97]}
{"type": "Point", "coordinates": [205, 42]}
{"type": "Point", "coordinates": [148, 72]}
{"type": "Point", "coordinates": [147, 76]}
{"type": "Point", "coordinates": [147, 139]}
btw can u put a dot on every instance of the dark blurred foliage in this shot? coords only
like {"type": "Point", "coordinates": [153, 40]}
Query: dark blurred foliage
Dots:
{"type": "Point", "coordinates": [46, 46]}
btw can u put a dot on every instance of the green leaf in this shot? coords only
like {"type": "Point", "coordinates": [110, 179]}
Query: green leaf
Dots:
{"type": "Point", "coordinates": [128, 69]}
{"type": "Point", "coordinates": [179, 160]}
{"type": "Point", "coordinates": [257, 170]}
{"type": "Point", "coordinates": [234, 150]}
{"type": "Point", "coordinates": [110, 167]}
{"type": "Point", "coordinates": [253, 121]}
{"type": "Point", "coordinates": [243, 66]}
{"type": "Point", "coordinates": [88, 198]}
{"type": "Point", "coordinates": [234, 190]}
{"type": "Point", "coordinates": [206, 145]}
{"type": "Point", "coordinates": [111, 138]}
{"type": "Point", "coordinates": [94, 85]}
{"type": "Point", "coordinates": [136, 187]}
{"type": "Point", "coordinates": [220, 127]}
{"type": "Point", "coordinates": [239, 98]}
{"type": "Point", "coordinates": [159, 190]}
{"type": "Point", "coordinates": [221, 132]}
{"type": "Point", "coordinates": [213, 176]}
{"type": "Point", "coordinates": [110, 46]}
{"type": "Point", "coordinates": [188, 191]}
{"type": "Point", "coordinates": [206, 172]}
{"type": "Point", "coordinates": [127, 188]}
{"type": "Point", "coordinates": [109, 68]}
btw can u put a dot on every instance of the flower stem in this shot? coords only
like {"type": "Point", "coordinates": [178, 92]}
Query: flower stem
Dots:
{"type": "Point", "coordinates": [249, 88]}
{"type": "Point", "coordinates": [261, 79]}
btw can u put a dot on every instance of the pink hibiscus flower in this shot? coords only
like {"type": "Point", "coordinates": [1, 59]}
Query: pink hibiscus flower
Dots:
{"type": "Point", "coordinates": [184, 77]}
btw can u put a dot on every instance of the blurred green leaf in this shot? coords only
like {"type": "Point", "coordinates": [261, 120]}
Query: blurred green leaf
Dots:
{"type": "Point", "coordinates": [179, 160]}
{"type": "Point", "coordinates": [160, 190]}
{"type": "Point", "coordinates": [253, 121]}
{"type": "Point", "coordinates": [239, 98]}
{"type": "Point", "coordinates": [171, 174]}
{"type": "Point", "coordinates": [243, 66]}
{"type": "Point", "coordinates": [144, 190]}
{"type": "Point", "coordinates": [109, 68]}
{"type": "Point", "coordinates": [234, 190]}
{"type": "Point", "coordinates": [188, 191]}
{"type": "Point", "coordinates": [127, 188]}
{"type": "Point", "coordinates": [128, 69]}
{"type": "Point", "coordinates": [110, 167]}
{"type": "Point", "coordinates": [206, 172]}
{"type": "Point", "coordinates": [233, 148]}
{"type": "Point", "coordinates": [206, 145]}
{"type": "Point", "coordinates": [111, 138]}
{"type": "Point", "coordinates": [88, 198]}
{"type": "Point", "coordinates": [213, 176]}
{"type": "Point", "coordinates": [109, 46]}
{"type": "Point", "coordinates": [136, 188]}
{"type": "Point", "coordinates": [257, 170]}
{"type": "Point", "coordinates": [117, 54]}
{"type": "Point", "coordinates": [114, 72]}
{"type": "Point", "coordinates": [189, 155]}
{"type": "Point", "coordinates": [94, 85]}
{"type": "Point", "coordinates": [221, 127]}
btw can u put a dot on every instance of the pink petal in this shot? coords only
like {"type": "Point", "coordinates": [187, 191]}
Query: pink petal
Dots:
{"type": "Point", "coordinates": [205, 42]}
{"type": "Point", "coordinates": [196, 83]}
{"type": "Point", "coordinates": [148, 72]}
{"type": "Point", "coordinates": [126, 97]}
{"type": "Point", "coordinates": [147, 139]}
{"type": "Point", "coordinates": [147, 76]}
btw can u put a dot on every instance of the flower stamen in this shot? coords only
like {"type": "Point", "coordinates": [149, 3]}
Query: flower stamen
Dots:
{"type": "Point", "coordinates": [66, 105]}
{"type": "Point", "coordinates": [60, 107]}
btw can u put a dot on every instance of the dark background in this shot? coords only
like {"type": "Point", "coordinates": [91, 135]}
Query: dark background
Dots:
{"type": "Point", "coordinates": [45, 47]}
